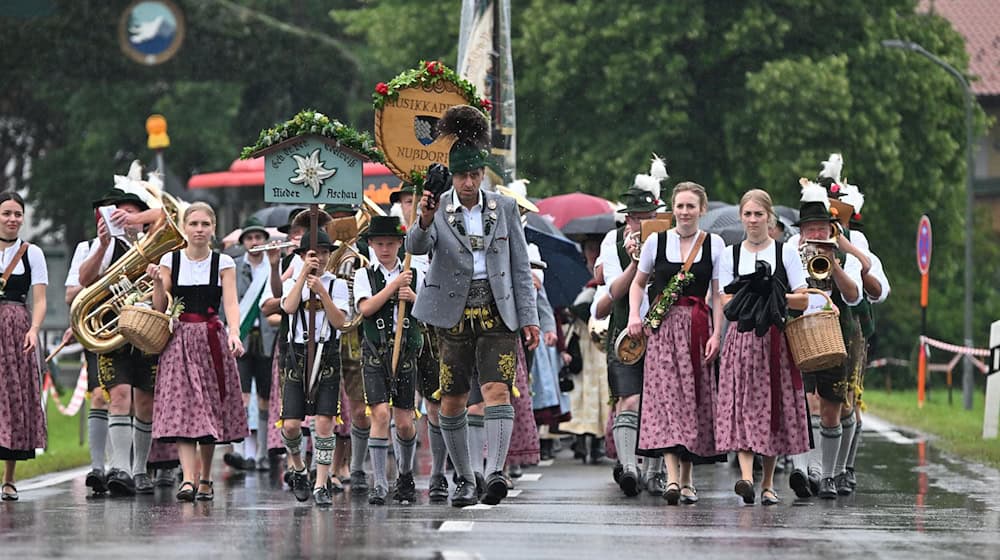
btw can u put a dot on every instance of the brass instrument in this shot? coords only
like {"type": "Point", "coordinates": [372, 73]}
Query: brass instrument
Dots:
{"type": "Point", "coordinates": [272, 245]}
{"type": "Point", "coordinates": [345, 259]}
{"type": "Point", "coordinates": [661, 222]}
{"type": "Point", "coordinates": [818, 265]}
{"type": "Point", "coordinates": [94, 313]}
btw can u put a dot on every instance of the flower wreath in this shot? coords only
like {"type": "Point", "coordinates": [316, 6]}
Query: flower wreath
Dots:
{"type": "Point", "coordinates": [428, 74]}
{"type": "Point", "coordinates": [310, 121]}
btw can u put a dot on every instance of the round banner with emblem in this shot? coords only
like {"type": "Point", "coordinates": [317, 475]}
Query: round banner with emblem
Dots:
{"type": "Point", "coordinates": [407, 110]}
{"type": "Point", "coordinates": [151, 31]}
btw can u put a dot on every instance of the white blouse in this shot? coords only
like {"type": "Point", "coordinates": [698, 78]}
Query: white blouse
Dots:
{"type": "Point", "coordinates": [794, 269]}
{"type": "Point", "coordinates": [39, 270]}
{"type": "Point", "coordinates": [651, 250]}
{"type": "Point", "coordinates": [196, 273]}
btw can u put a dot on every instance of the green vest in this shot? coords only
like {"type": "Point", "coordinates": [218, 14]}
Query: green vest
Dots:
{"type": "Point", "coordinates": [379, 329]}
{"type": "Point", "coordinates": [619, 309]}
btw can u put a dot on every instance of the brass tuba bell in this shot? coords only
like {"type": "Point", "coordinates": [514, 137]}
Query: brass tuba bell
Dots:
{"type": "Point", "coordinates": [345, 259]}
{"type": "Point", "coordinates": [94, 313]}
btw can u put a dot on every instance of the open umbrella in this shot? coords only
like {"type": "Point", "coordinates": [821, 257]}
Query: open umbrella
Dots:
{"type": "Point", "coordinates": [725, 222]}
{"type": "Point", "coordinates": [565, 207]}
{"type": "Point", "coordinates": [274, 216]}
{"type": "Point", "coordinates": [598, 224]}
{"type": "Point", "coordinates": [567, 270]}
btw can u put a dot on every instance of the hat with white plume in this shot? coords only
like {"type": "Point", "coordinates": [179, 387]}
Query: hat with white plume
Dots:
{"type": "Point", "coordinates": [644, 194]}
{"type": "Point", "coordinates": [814, 205]}
{"type": "Point", "coordinates": [852, 196]}
{"type": "Point", "coordinates": [132, 189]}
{"type": "Point", "coordinates": [829, 175]}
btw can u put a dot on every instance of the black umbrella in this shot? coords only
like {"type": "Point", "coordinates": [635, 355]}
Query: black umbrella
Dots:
{"type": "Point", "coordinates": [567, 270]}
{"type": "Point", "coordinates": [274, 216]}
{"type": "Point", "coordinates": [598, 224]}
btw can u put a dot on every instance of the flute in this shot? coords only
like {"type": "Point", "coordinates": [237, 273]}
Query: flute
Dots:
{"type": "Point", "coordinates": [272, 245]}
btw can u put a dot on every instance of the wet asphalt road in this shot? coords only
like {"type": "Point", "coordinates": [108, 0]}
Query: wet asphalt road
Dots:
{"type": "Point", "coordinates": [913, 502]}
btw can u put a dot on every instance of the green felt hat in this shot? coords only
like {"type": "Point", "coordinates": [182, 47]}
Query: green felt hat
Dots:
{"type": "Point", "coordinates": [251, 225]}
{"type": "Point", "coordinates": [638, 200]}
{"type": "Point", "coordinates": [405, 188]}
{"type": "Point", "coordinates": [322, 240]}
{"type": "Point", "coordinates": [385, 226]}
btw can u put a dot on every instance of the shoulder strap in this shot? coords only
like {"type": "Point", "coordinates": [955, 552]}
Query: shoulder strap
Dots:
{"type": "Point", "coordinates": [213, 274]}
{"type": "Point", "coordinates": [661, 244]}
{"type": "Point", "coordinates": [13, 262]}
{"type": "Point", "coordinates": [693, 252]}
{"type": "Point", "coordinates": [779, 261]}
{"type": "Point", "coordinates": [175, 268]}
{"type": "Point", "coordinates": [736, 259]}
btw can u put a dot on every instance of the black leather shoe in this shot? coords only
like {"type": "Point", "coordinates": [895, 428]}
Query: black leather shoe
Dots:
{"type": "Point", "coordinates": [205, 496]}
{"type": "Point", "coordinates": [827, 489]}
{"type": "Point", "coordinates": [616, 473]}
{"type": "Point", "coordinates": [852, 478]}
{"type": "Point", "coordinates": [96, 481]}
{"type": "Point", "coordinates": [234, 460]}
{"type": "Point", "coordinates": [322, 496]}
{"type": "Point", "coordinates": [359, 483]}
{"type": "Point", "coordinates": [143, 484]}
{"type": "Point", "coordinates": [438, 490]}
{"type": "Point", "coordinates": [377, 495]}
{"type": "Point", "coordinates": [480, 486]}
{"type": "Point", "coordinates": [406, 489]}
{"type": "Point", "coordinates": [120, 483]}
{"type": "Point", "coordinates": [465, 494]}
{"type": "Point", "coordinates": [629, 483]}
{"type": "Point", "coordinates": [814, 484]}
{"type": "Point", "coordinates": [744, 489]}
{"type": "Point", "coordinates": [800, 484]}
{"type": "Point", "coordinates": [496, 489]}
{"type": "Point", "coordinates": [300, 485]}
{"type": "Point", "coordinates": [186, 492]}
{"type": "Point", "coordinates": [843, 487]}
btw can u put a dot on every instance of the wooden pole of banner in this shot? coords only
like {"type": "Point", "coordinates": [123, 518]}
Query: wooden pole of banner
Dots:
{"type": "Point", "coordinates": [401, 315]}
{"type": "Point", "coordinates": [922, 360]}
{"type": "Point", "coordinates": [311, 341]}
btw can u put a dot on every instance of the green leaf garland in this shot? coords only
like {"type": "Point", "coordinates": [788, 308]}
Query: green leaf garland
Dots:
{"type": "Point", "coordinates": [310, 121]}
{"type": "Point", "coordinates": [428, 74]}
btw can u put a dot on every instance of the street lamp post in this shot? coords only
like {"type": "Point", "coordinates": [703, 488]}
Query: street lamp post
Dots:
{"type": "Point", "coordinates": [968, 382]}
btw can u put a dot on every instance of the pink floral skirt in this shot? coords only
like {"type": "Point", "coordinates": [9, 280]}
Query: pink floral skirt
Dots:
{"type": "Point", "coordinates": [22, 421]}
{"type": "Point", "coordinates": [524, 446]}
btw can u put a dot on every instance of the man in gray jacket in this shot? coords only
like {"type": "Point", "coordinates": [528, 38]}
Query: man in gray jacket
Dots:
{"type": "Point", "coordinates": [478, 294]}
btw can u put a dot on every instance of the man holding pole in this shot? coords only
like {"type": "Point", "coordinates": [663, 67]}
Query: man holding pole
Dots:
{"type": "Point", "coordinates": [478, 293]}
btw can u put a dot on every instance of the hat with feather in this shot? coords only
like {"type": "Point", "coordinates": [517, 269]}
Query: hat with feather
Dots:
{"type": "Point", "coordinates": [855, 199]}
{"type": "Point", "coordinates": [518, 190]}
{"type": "Point", "coordinates": [814, 206]}
{"type": "Point", "coordinates": [829, 175]}
{"type": "Point", "coordinates": [644, 194]}
{"type": "Point", "coordinates": [132, 189]}
{"type": "Point", "coordinates": [471, 130]}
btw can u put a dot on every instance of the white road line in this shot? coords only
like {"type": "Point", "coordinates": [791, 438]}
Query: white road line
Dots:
{"type": "Point", "coordinates": [52, 479]}
{"type": "Point", "coordinates": [546, 463]}
{"type": "Point", "coordinates": [530, 477]}
{"type": "Point", "coordinates": [456, 526]}
{"type": "Point", "coordinates": [458, 555]}
{"type": "Point", "coordinates": [479, 507]}
{"type": "Point", "coordinates": [886, 430]}
{"type": "Point", "coordinates": [514, 493]}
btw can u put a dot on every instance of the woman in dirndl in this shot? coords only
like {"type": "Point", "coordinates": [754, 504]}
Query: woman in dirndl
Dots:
{"type": "Point", "coordinates": [761, 402]}
{"type": "Point", "coordinates": [198, 400]}
{"type": "Point", "coordinates": [680, 267]}
{"type": "Point", "coordinates": [22, 421]}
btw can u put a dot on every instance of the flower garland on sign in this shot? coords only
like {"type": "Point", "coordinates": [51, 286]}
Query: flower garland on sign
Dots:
{"type": "Point", "coordinates": [310, 121]}
{"type": "Point", "coordinates": [671, 293]}
{"type": "Point", "coordinates": [428, 74]}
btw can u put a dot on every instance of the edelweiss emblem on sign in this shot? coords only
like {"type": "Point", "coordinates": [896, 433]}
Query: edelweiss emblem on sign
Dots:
{"type": "Point", "coordinates": [311, 171]}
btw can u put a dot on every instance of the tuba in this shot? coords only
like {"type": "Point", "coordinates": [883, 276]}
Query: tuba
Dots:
{"type": "Point", "coordinates": [345, 259]}
{"type": "Point", "coordinates": [94, 313]}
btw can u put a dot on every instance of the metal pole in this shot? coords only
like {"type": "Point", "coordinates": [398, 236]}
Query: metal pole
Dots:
{"type": "Point", "coordinates": [968, 381]}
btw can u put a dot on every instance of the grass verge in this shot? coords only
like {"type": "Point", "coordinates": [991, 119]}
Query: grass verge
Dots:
{"type": "Point", "coordinates": [958, 431]}
{"type": "Point", "coordinates": [64, 450]}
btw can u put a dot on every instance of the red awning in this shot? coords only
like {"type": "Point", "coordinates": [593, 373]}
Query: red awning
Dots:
{"type": "Point", "coordinates": [379, 180]}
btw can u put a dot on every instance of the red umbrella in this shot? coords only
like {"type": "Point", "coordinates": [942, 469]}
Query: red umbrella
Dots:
{"type": "Point", "coordinates": [565, 207]}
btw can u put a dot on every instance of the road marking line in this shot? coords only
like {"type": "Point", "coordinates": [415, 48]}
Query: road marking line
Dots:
{"type": "Point", "coordinates": [546, 463]}
{"type": "Point", "coordinates": [52, 479]}
{"type": "Point", "coordinates": [514, 493]}
{"type": "Point", "coordinates": [458, 555]}
{"type": "Point", "coordinates": [478, 506]}
{"type": "Point", "coordinates": [530, 477]}
{"type": "Point", "coordinates": [456, 526]}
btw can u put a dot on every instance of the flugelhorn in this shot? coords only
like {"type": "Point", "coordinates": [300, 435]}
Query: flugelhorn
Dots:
{"type": "Point", "coordinates": [272, 246]}
{"type": "Point", "coordinates": [818, 265]}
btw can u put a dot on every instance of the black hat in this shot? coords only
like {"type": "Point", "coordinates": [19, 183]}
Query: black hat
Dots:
{"type": "Point", "coordinates": [814, 206]}
{"type": "Point", "coordinates": [291, 218]}
{"type": "Point", "coordinates": [385, 226]}
{"type": "Point", "coordinates": [118, 196]}
{"type": "Point", "coordinates": [252, 225]}
{"type": "Point", "coordinates": [322, 241]}
{"type": "Point", "coordinates": [405, 188]}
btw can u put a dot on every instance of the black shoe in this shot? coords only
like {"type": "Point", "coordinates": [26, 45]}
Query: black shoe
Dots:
{"type": "Point", "coordinates": [814, 484]}
{"type": "Point", "coordinates": [143, 484]}
{"type": "Point", "coordinates": [579, 448]}
{"type": "Point", "coordinates": [321, 496]}
{"type": "Point", "coordinates": [744, 489]}
{"type": "Point", "coordinates": [438, 490]}
{"type": "Point", "coordinates": [629, 483]}
{"type": "Point", "coordinates": [234, 460]}
{"type": "Point", "coordinates": [465, 494]}
{"type": "Point", "coordinates": [406, 489]}
{"type": "Point", "coordinates": [516, 471]}
{"type": "Point", "coordinates": [205, 496]}
{"type": "Point", "coordinates": [96, 481]}
{"type": "Point", "coordinates": [672, 494]}
{"type": "Point", "coordinates": [843, 486]}
{"type": "Point", "coordinates": [852, 479]}
{"type": "Point", "coordinates": [165, 478]}
{"type": "Point", "coordinates": [656, 485]}
{"type": "Point", "coordinates": [800, 484]}
{"type": "Point", "coordinates": [186, 492]}
{"type": "Point", "coordinates": [827, 489]}
{"type": "Point", "coordinates": [616, 473]}
{"type": "Point", "coordinates": [250, 464]}
{"type": "Point", "coordinates": [496, 489]}
{"type": "Point", "coordinates": [300, 485]}
{"type": "Point", "coordinates": [377, 495]}
{"type": "Point", "coordinates": [480, 486]}
{"type": "Point", "coordinates": [359, 483]}
{"type": "Point", "coordinates": [545, 449]}
{"type": "Point", "coordinates": [120, 483]}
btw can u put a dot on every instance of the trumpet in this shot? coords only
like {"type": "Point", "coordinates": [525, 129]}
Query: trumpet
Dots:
{"type": "Point", "coordinates": [818, 265]}
{"type": "Point", "coordinates": [271, 246]}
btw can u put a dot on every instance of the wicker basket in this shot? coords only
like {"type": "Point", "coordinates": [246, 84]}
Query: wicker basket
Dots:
{"type": "Point", "coordinates": [816, 340]}
{"type": "Point", "coordinates": [146, 329]}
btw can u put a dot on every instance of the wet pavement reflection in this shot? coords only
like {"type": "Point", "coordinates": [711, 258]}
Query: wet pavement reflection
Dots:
{"type": "Point", "coordinates": [911, 501]}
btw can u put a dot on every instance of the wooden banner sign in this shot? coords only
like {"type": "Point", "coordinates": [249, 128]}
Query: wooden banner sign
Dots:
{"type": "Point", "coordinates": [312, 169]}
{"type": "Point", "coordinates": [405, 126]}
{"type": "Point", "coordinates": [661, 222]}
